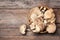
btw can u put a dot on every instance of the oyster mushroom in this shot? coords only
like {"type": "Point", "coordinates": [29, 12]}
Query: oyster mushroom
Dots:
{"type": "Point", "coordinates": [37, 26]}
{"type": "Point", "coordinates": [48, 14]}
{"type": "Point", "coordinates": [51, 28]}
{"type": "Point", "coordinates": [23, 29]}
{"type": "Point", "coordinates": [52, 20]}
{"type": "Point", "coordinates": [42, 19]}
{"type": "Point", "coordinates": [37, 29]}
{"type": "Point", "coordinates": [36, 13]}
{"type": "Point", "coordinates": [32, 26]}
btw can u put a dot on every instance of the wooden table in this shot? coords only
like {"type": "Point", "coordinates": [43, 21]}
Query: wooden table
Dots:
{"type": "Point", "coordinates": [13, 13]}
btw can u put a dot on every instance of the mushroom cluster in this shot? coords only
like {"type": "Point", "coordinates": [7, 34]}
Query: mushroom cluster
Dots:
{"type": "Point", "coordinates": [42, 20]}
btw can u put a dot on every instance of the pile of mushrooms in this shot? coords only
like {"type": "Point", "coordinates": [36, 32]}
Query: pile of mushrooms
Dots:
{"type": "Point", "coordinates": [42, 20]}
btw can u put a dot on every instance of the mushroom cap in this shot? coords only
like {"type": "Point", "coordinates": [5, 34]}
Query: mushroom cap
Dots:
{"type": "Point", "coordinates": [48, 14]}
{"type": "Point", "coordinates": [32, 26]}
{"type": "Point", "coordinates": [35, 13]}
{"type": "Point", "coordinates": [37, 29]}
{"type": "Point", "coordinates": [51, 28]}
{"type": "Point", "coordinates": [52, 20]}
{"type": "Point", "coordinates": [23, 29]}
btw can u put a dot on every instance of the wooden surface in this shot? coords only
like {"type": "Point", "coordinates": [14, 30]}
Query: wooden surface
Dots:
{"type": "Point", "coordinates": [13, 13]}
{"type": "Point", "coordinates": [28, 3]}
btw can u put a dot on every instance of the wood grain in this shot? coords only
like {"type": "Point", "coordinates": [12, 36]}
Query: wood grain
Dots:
{"type": "Point", "coordinates": [14, 18]}
{"type": "Point", "coordinates": [30, 38]}
{"type": "Point", "coordinates": [16, 32]}
{"type": "Point", "coordinates": [20, 3]}
{"type": "Point", "coordinates": [54, 3]}
{"type": "Point", "coordinates": [13, 13]}
{"type": "Point", "coordinates": [28, 3]}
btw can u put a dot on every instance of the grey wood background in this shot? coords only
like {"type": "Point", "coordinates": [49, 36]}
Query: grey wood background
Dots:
{"type": "Point", "coordinates": [13, 13]}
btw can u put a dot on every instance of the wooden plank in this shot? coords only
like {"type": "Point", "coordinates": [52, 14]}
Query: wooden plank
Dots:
{"type": "Point", "coordinates": [54, 3]}
{"type": "Point", "coordinates": [14, 18]}
{"type": "Point", "coordinates": [28, 3]}
{"type": "Point", "coordinates": [9, 32]}
{"type": "Point", "coordinates": [21, 3]}
{"type": "Point", "coordinates": [16, 32]}
{"type": "Point", "coordinates": [57, 14]}
{"type": "Point", "coordinates": [31, 38]}
{"type": "Point", "coordinates": [13, 32]}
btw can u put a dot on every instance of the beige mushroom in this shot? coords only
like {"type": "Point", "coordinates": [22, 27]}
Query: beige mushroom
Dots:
{"type": "Point", "coordinates": [33, 17]}
{"type": "Point", "coordinates": [36, 13]}
{"type": "Point", "coordinates": [41, 26]}
{"type": "Point", "coordinates": [32, 26]}
{"type": "Point", "coordinates": [52, 20]}
{"type": "Point", "coordinates": [37, 29]}
{"type": "Point", "coordinates": [37, 26]}
{"type": "Point", "coordinates": [48, 14]}
{"type": "Point", "coordinates": [23, 29]}
{"type": "Point", "coordinates": [51, 28]}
